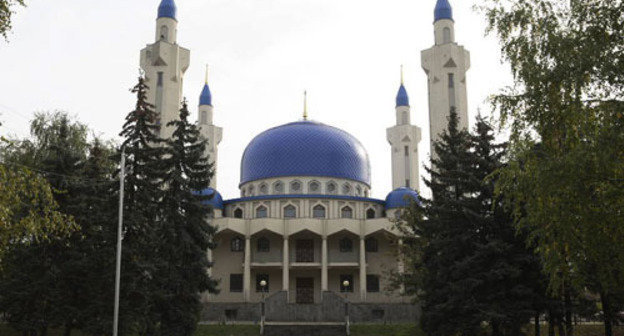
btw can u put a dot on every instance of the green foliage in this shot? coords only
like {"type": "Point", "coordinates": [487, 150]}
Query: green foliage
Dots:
{"type": "Point", "coordinates": [6, 13]}
{"type": "Point", "coordinates": [565, 111]}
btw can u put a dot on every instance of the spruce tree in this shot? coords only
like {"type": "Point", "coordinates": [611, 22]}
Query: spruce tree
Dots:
{"type": "Point", "coordinates": [143, 190]}
{"type": "Point", "coordinates": [185, 230]}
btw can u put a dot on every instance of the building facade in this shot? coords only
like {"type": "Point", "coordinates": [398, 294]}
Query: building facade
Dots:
{"type": "Point", "coordinates": [304, 233]}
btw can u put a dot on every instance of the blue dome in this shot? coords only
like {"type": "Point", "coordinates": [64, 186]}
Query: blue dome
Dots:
{"type": "Point", "coordinates": [400, 198]}
{"type": "Point", "coordinates": [205, 98]}
{"type": "Point", "coordinates": [443, 10]}
{"type": "Point", "coordinates": [167, 8]}
{"type": "Point", "coordinates": [402, 99]}
{"type": "Point", "coordinates": [305, 148]}
{"type": "Point", "coordinates": [216, 202]}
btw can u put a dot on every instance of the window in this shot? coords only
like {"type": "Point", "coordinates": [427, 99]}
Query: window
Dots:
{"type": "Point", "coordinates": [318, 211]}
{"type": "Point", "coordinates": [264, 189]}
{"type": "Point", "coordinates": [349, 278]}
{"type": "Point", "coordinates": [261, 212]}
{"type": "Point", "coordinates": [159, 83]}
{"type": "Point", "coordinates": [238, 213]}
{"type": "Point", "coordinates": [164, 32]}
{"type": "Point", "coordinates": [346, 245]}
{"type": "Point", "coordinates": [446, 35]}
{"type": "Point", "coordinates": [236, 244]}
{"type": "Point", "coordinates": [331, 187]}
{"type": "Point", "coordinates": [346, 189]}
{"type": "Point", "coordinates": [263, 245]}
{"type": "Point", "coordinates": [314, 187]}
{"type": "Point", "coordinates": [370, 213]}
{"type": "Point", "coordinates": [259, 278]}
{"type": "Point", "coordinates": [278, 187]}
{"type": "Point", "coordinates": [346, 212]}
{"type": "Point", "coordinates": [371, 245]}
{"type": "Point", "coordinates": [236, 282]}
{"type": "Point", "coordinates": [358, 191]}
{"type": "Point", "coordinates": [451, 80]}
{"type": "Point", "coordinates": [295, 186]}
{"type": "Point", "coordinates": [251, 190]}
{"type": "Point", "coordinates": [231, 314]}
{"type": "Point", "coordinates": [372, 283]}
{"type": "Point", "coordinates": [290, 211]}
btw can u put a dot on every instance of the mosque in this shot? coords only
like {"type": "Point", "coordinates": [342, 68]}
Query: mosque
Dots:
{"type": "Point", "coordinates": [304, 234]}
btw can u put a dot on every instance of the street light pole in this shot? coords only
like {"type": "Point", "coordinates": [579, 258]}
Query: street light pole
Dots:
{"type": "Point", "coordinates": [122, 176]}
{"type": "Point", "coordinates": [345, 286]}
{"type": "Point", "coordinates": [263, 284]}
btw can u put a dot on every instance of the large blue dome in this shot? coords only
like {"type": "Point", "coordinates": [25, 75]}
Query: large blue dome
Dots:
{"type": "Point", "coordinates": [305, 148]}
{"type": "Point", "coordinates": [401, 198]}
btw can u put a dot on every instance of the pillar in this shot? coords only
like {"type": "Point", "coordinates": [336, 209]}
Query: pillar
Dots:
{"type": "Point", "coordinates": [324, 285]}
{"type": "Point", "coordinates": [362, 269]}
{"type": "Point", "coordinates": [285, 266]}
{"type": "Point", "coordinates": [247, 269]}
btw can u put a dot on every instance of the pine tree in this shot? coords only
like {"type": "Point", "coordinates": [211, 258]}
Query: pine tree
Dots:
{"type": "Point", "coordinates": [185, 230]}
{"type": "Point", "coordinates": [143, 190]}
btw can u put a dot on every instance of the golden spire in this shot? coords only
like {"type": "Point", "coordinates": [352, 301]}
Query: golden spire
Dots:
{"type": "Point", "coordinates": [401, 74]}
{"type": "Point", "coordinates": [206, 73]}
{"type": "Point", "coordinates": [305, 105]}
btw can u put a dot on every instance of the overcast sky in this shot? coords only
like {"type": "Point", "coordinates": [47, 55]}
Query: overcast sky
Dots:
{"type": "Point", "coordinates": [82, 56]}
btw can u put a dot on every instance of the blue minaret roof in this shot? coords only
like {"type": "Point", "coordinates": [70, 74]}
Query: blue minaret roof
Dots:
{"type": "Point", "coordinates": [443, 10]}
{"type": "Point", "coordinates": [167, 8]}
{"type": "Point", "coordinates": [402, 99]}
{"type": "Point", "coordinates": [205, 98]}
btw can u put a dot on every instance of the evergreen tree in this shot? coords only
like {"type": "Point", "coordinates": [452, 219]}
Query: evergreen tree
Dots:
{"type": "Point", "coordinates": [143, 190]}
{"type": "Point", "coordinates": [184, 228]}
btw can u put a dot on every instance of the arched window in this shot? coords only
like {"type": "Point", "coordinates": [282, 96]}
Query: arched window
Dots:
{"type": "Point", "coordinates": [346, 245]}
{"type": "Point", "coordinates": [446, 35]}
{"type": "Point", "coordinates": [236, 244]}
{"type": "Point", "coordinates": [346, 212]}
{"type": "Point", "coordinates": [371, 244]}
{"type": "Point", "coordinates": [263, 244]}
{"type": "Point", "coordinates": [238, 213]}
{"type": "Point", "coordinates": [346, 189]}
{"type": "Point", "coordinates": [318, 211]}
{"type": "Point", "coordinates": [314, 187]}
{"type": "Point", "coordinates": [370, 213]}
{"type": "Point", "coordinates": [251, 190]}
{"type": "Point", "coordinates": [164, 33]}
{"type": "Point", "coordinates": [290, 211]}
{"type": "Point", "coordinates": [358, 191]}
{"type": "Point", "coordinates": [264, 189]}
{"type": "Point", "coordinates": [331, 188]}
{"type": "Point", "coordinates": [295, 187]}
{"type": "Point", "coordinates": [278, 187]}
{"type": "Point", "coordinates": [262, 212]}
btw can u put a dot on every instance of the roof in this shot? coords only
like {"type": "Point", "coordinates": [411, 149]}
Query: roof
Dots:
{"type": "Point", "coordinates": [443, 10]}
{"type": "Point", "coordinates": [167, 8]}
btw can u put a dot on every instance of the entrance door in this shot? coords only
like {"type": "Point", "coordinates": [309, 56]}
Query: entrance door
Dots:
{"type": "Point", "coordinates": [305, 250]}
{"type": "Point", "coordinates": [305, 290]}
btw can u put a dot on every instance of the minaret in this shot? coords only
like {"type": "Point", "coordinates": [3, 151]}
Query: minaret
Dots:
{"type": "Point", "coordinates": [208, 130]}
{"type": "Point", "coordinates": [164, 63]}
{"type": "Point", "coordinates": [404, 138]}
{"type": "Point", "coordinates": [445, 64]}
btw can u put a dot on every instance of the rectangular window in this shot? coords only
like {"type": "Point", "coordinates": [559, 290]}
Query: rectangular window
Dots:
{"type": "Point", "coordinates": [236, 282]}
{"type": "Point", "coordinates": [451, 80]}
{"type": "Point", "coordinates": [372, 283]}
{"type": "Point", "coordinates": [159, 83]}
{"type": "Point", "coordinates": [406, 151]}
{"type": "Point", "coordinates": [451, 90]}
{"type": "Point", "coordinates": [259, 278]}
{"type": "Point", "coordinates": [349, 279]}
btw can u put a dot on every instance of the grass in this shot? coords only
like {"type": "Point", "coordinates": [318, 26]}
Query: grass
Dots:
{"type": "Point", "coordinates": [356, 330]}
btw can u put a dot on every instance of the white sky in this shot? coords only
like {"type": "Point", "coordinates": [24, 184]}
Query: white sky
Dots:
{"type": "Point", "coordinates": [83, 56]}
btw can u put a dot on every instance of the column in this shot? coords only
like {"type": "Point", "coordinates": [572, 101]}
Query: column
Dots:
{"type": "Point", "coordinates": [324, 286]}
{"type": "Point", "coordinates": [285, 266]}
{"type": "Point", "coordinates": [247, 269]}
{"type": "Point", "coordinates": [362, 268]}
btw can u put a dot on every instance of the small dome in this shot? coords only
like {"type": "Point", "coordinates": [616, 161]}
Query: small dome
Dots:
{"type": "Point", "coordinates": [402, 99]}
{"type": "Point", "coordinates": [400, 198]}
{"type": "Point", "coordinates": [443, 10]}
{"type": "Point", "coordinates": [216, 201]}
{"type": "Point", "coordinates": [205, 98]}
{"type": "Point", "coordinates": [305, 148]}
{"type": "Point", "coordinates": [167, 8]}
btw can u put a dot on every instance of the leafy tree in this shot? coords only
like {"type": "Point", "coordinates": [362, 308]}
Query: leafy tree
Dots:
{"type": "Point", "coordinates": [184, 229]}
{"type": "Point", "coordinates": [6, 13]}
{"type": "Point", "coordinates": [568, 96]}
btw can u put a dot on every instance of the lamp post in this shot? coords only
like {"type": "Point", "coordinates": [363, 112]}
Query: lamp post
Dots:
{"type": "Point", "coordinates": [263, 284]}
{"type": "Point", "coordinates": [345, 289]}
